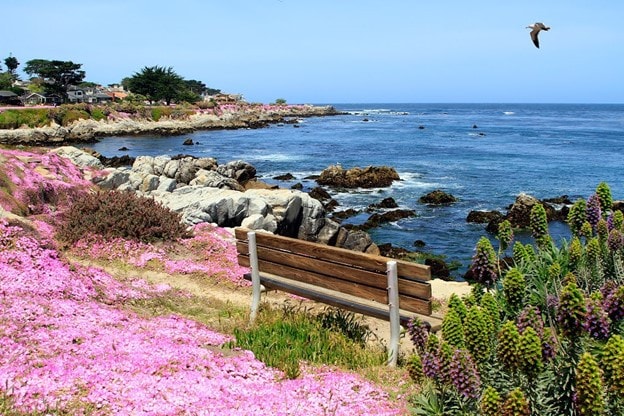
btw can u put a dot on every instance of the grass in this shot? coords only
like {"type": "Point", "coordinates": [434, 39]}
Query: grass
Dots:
{"type": "Point", "coordinates": [284, 338]}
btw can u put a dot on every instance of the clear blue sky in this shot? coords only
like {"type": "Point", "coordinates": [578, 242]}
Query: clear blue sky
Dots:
{"type": "Point", "coordinates": [338, 51]}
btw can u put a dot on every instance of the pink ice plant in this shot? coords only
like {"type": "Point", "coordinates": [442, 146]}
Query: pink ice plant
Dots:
{"type": "Point", "coordinates": [67, 343]}
{"type": "Point", "coordinates": [209, 252]}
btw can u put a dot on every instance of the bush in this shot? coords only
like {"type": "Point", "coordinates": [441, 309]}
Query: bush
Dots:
{"type": "Point", "coordinates": [115, 214]}
{"type": "Point", "coordinates": [13, 119]}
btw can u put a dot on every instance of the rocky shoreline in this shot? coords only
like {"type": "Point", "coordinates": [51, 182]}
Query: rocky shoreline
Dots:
{"type": "Point", "coordinates": [88, 131]}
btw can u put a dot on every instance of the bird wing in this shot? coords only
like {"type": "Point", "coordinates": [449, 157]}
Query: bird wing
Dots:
{"type": "Point", "coordinates": [534, 37]}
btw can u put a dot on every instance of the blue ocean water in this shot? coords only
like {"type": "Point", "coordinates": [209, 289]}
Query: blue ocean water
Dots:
{"type": "Point", "coordinates": [545, 150]}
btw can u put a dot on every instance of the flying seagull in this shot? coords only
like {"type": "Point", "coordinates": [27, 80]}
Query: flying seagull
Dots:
{"type": "Point", "coordinates": [536, 28]}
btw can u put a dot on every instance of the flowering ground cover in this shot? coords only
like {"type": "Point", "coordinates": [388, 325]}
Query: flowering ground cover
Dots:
{"type": "Point", "coordinates": [70, 343]}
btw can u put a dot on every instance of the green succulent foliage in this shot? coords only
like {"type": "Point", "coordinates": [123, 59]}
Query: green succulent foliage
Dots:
{"type": "Point", "coordinates": [484, 263]}
{"type": "Point", "coordinates": [590, 398]}
{"type": "Point", "coordinates": [445, 358]}
{"type": "Point", "coordinates": [477, 333]}
{"type": "Point", "coordinates": [457, 304]}
{"type": "Point", "coordinates": [516, 404]}
{"type": "Point", "coordinates": [523, 254]}
{"type": "Point", "coordinates": [571, 310]}
{"type": "Point", "coordinates": [612, 363]}
{"type": "Point", "coordinates": [618, 220]}
{"type": "Point", "coordinates": [492, 310]}
{"type": "Point", "coordinates": [415, 369]}
{"type": "Point", "coordinates": [452, 329]}
{"type": "Point", "coordinates": [604, 194]}
{"type": "Point", "coordinates": [577, 216]}
{"type": "Point", "coordinates": [586, 230]}
{"type": "Point", "coordinates": [602, 229]}
{"type": "Point", "coordinates": [505, 234]}
{"type": "Point", "coordinates": [575, 252]}
{"type": "Point", "coordinates": [530, 352]}
{"type": "Point", "coordinates": [514, 288]}
{"type": "Point", "coordinates": [554, 272]}
{"type": "Point", "coordinates": [507, 346]}
{"type": "Point", "coordinates": [539, 225]}
{"type": "Point", "coordinates": [490, 402]}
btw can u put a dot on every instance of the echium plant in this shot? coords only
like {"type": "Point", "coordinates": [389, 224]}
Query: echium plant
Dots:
{"type": "Point", "coordinates": [571, 310]}
{"type": "Point", "coordinates": [597, 320]}
{"type": "Point", "coordinates": [476, 334]}
{"type": "Point", "coordinates": [492, 310]}
{"type": "Point", "coordinates": [516, 404]}
{"type": "Point", "coordinates": [594, 212]}
{"type": "Point", "coordinates": [491, 401]}
{"type": "Point", "coordinates": [531, 317]}
{"type": "Point", "coordinates": [589, 397]}
{"type": "Point", "coordinates": [575, 252]}
{"type": "Point", "coordinates": [507, 346]}
{"type": "Point", "coordinates": [539, 225]}
{"type": "Point", "coordinates": [452, 329]}
{"type": "Point", "coordinates": [484, 263]}
{"type": "Point", "coordinates": [577, 216]}
{"type": "Point", "coordinates": [505, 234]}
{"type": "Point", "coordinates": [464, 374]}
{"type": "Point", "coordinates": [604, 196]}
{"type": "Point", "coordinates": [612, 363]}
{"type": "Point", "coordinates": [616, 220]}
{"type": "Point", "coordinates": [430, 362]}
{"type": "Point", "coordinates": [615, 241]}
{"type": "Point", "coordinates": [530, 352]}
{"type": "Point", "coordinates": [456, 303]}
{"type": "Point", "coordinates": [523, 254]}
{"type": "Point", "coordinates": [514, 288]}
{"type": "Point", "coordinates": [418, 332]}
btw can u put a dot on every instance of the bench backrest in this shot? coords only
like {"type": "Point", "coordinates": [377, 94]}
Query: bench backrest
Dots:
{"type": "Point", "coordinates": [350, 272]}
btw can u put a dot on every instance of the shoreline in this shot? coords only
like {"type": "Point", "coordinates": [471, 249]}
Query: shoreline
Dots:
{"type": "Point", "coordinates": [228, 117]}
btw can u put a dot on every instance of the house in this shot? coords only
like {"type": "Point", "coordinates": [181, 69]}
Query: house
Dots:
{"type": "Point", "coordinates": [76, 95]}
{"type": "Point", "coordinates": [34, 98]}
{"type": "Point", "coordinates": [9, 98]}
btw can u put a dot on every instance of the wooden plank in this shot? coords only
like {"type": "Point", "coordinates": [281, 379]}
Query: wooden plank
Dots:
{"type": "Point", "coordinates": [336, 254]}
{"type": "Point", "coordinates": [296, 275]}
{"type": "Point", "coordinates": [332, 270]}
{"type": "Point", "coordinates": [350, 303]}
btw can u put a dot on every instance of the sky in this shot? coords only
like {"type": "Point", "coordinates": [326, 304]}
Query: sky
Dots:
{"type": "Point", "coordinates": [337, 51]}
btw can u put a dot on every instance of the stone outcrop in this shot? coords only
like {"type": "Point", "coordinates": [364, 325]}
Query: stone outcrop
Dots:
{"type": "Point", "coordinates": [369, 177]}
{"type": "Point", "coordinates": [203, 191]}
{"type": "Point", "coordinates": [83, 131]}
{"type": "Point", "coordinates": [437, 197]}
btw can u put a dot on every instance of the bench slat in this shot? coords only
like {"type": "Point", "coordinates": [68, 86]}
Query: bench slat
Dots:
{"type": "Point", "coordinates": [335, 254]}
{"type": "Point", "coordinates": [340, 300]}
{"type": "Point", "coordinates": [333, 270]}
{"type": "Point", "coordinates": [409, 303]}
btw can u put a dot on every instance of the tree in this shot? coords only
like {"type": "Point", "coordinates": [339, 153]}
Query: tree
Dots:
{"type": "Point", "coordinates": [57, 76]}
{"type": "Point", "coordinates": [156, 83]}
{"type": "Point", "coordinates": [11, 63]}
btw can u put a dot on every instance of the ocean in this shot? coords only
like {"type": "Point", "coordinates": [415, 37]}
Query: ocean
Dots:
{"type": "Point", "coordinates": [483, 154]}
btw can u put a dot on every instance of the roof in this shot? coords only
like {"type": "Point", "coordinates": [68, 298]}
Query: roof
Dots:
{"type": "Point", "coordinates": [7, 94]}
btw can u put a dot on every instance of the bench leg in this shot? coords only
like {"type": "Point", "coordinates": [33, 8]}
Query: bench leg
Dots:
{"type": "Point", "coordinates": [393, 306]}
{"type": "Point", "coordinates": [255, 276]}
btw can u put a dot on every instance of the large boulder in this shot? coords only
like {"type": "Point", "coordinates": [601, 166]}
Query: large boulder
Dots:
{"type": "Point", "coordinates": [519, 214]}
{"type": "Point", "coordinates": [369, 177]}
{"type": "Point", "coordinates": [238, 170]}
{"type": "Point", "coordinates": [78, 157]}
{"type": "Point", "coordinates": [437, 197]}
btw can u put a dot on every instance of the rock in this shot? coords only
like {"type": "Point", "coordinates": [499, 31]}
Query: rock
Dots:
{"type": "Point", "coordinates": [386, 203]}
{"type": "Point", "coordinates": [376, 219]}
{"type": "Point", "coordinates": [474, 126]}
{"type": "Point", "coordinates": [213, 179]}
{"type": "Point", "coordinates": [298, 186]}
{"type": "Point", "coordinates": [117, 161]}
{"type": "Point", "coordinates": [483, 217]}
{"type": "Point", "coordinates": [78, 157]}
{"type": "Point", "coordinates": [519, 214]}
{"type": "Point", "coordinates": [239, 170]}
{"type": "Point", "coordinates": [285, 177]}
{"type": "Point", "coordinates": [114, 179]}
{"type": "Point", "coordinates": [437, 197]}
{"type": "Point", "coordinates": [320, 194]}
{"type": "Point", "coordinates": [439, 268]}
{"type": "Point", "coordinates": [188, 142]}
{"type": "Point", "coordinates": [369, 177]}
{"type": "Point", "coordinates": [123, 149]}
{"type": "Point", "coordinates": [421, 127]}
{"type": "Point", "coordinates": [342, 215]}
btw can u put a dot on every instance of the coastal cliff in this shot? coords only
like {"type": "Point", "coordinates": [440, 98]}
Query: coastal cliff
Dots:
{"type": "Point", "coordinates": [121, 124]}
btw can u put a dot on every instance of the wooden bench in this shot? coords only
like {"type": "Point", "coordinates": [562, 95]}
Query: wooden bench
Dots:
{"type": "Point", "coordinates": [375, 286]}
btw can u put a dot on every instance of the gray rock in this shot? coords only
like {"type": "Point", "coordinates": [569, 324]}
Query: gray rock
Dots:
{"type": "Point", "coordinates": [239, 170]}
{"type": "Point", "coordinates": [78, 157]}
{"type": "Point", "coordinates": [114, 179]}
{"type": "Point", "coordinates": [170, 170]}
{"type": "Point", "coordinates": [213, 179]}
{"type": "Point", "coordinates": [166, 184]}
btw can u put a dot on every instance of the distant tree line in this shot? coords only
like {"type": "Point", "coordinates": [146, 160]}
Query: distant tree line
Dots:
{"type": "Point", "coordinates": [155, 84]}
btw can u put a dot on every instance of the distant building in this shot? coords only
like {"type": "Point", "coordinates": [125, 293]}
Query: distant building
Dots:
{"type": "Point", "coordinates": [9, 98]}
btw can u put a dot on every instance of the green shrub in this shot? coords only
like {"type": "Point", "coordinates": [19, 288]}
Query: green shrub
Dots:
{"type": "Point", "coordinates": [13, 119]}
{"type": "Point", "coordinates": [284, 339]}
{"type": "Point", "coordinates": [159, 112]}
{"type": "Point", "coordinates": [115, 214]}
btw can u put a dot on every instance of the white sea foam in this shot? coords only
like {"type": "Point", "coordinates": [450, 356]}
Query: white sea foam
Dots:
{"type": "Point", "coordinates": [509, 113]}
